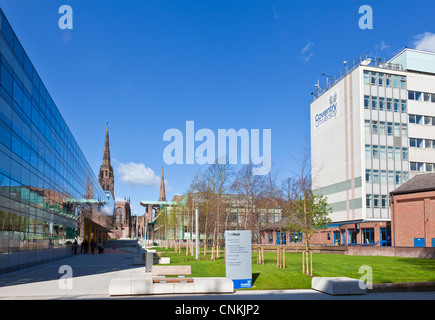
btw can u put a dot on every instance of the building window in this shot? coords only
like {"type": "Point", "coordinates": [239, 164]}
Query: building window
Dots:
{"type": "Point", "coordinates": [402, 82]}
{"type": "Point", "coordinates": [388, 81]}
{"type": "Point", "coordinates": [383, 152]}
{"type": "Point", "coordinates": [404, 130]}
{"type": "Point", "coordinates": [366, 102]}
{"type": "Point", "coordinates": [389, 104]}
{"type": "Point", "coordinates": [403, 106]}
{"type": "Point", "coordinates": [366, 77]}
{"type": "Point", "coordinates": [381, 79]}
{"type": "Point", "coordinates": [396, 105]}
{"type": "Point", "coordinates": [352, 236]}
{"type": "Point", "coordinates": [384, 202]}
{"type": "Point", "coordinates": [390, 153]}
{"type": "Point", "coordinates": [381, 104]}
{"type": "Point", "coordinates": [411, 95]}
{"type": "Point", "coordinates": [396, 81]}
{"type": "Point", "coordinates": [368, 236]}
{"type": "Point", "coordinates": [368, 200]}
{"type": "Point", "coordinates": [376, 201]}
{"type": "Point", "coordinates": [389, 128]}
{"type": "Point", "coordinates": [383, 177]}
{"type": "Point", "coordinates": [375, 176]}
{"type": "Point", "coordinates": [367, 126]}
{"type": "Point", "coordinates": [398, 177]}
{"type": "Point", "coordinates": [374, 78]}
{"type": "Point", "coordinates": [397, 129]}
{"type": "Point", "coordinates": [374, 103]}
{"type": "Point", "coordinates": [375, 127]}
{"type": "Point", "coordinates": [397, 153]}
{"type": "Point", "coordinates": [382, 128]}
{"type": "Point", "coordinates": [367, 151]}
{"type": "Point", "coordinates": [390, 177]}
{"type": "Point", "coordinates": [405, 154]}
{"type": "Point", "coordinates": [375, 152]}
{"type": "Point", "coordinates": [368, 175]}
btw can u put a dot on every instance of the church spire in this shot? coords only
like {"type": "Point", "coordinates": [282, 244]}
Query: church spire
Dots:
{"type": "Point", "coordinates": [106, 155]}
{"type": "Point", "coordinates": [162, 196]}
{"type": "Point", "coordinates": [106, 177]}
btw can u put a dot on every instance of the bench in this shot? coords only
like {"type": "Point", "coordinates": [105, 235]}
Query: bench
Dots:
{"type": "Point", "coordinates": [338, 285]}
{"type": "Point", "coordinates": [160, 281]}
{"type": "Point", "coordinates": [160, 274]}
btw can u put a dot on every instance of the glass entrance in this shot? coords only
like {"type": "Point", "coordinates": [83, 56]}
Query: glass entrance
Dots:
{"type": "Point", "coordinates": [385, 234]}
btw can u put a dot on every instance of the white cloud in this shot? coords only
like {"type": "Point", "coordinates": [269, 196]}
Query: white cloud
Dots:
{"type": "Point", "coordinates": [137, 174]}
{"type": "Point", "coordinates": [382, 46]}
{"type": "Point", "coordinates": [307, 52]}
{"type": "Point", "coordinates": [425, 42]}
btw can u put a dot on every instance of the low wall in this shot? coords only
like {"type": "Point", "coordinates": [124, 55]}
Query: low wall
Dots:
{"type": "Point", "coordinates": [18, 260]}
{"type": "Point", "coordinates": [405, 252]}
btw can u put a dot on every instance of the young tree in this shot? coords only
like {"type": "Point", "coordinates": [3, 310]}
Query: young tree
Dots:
{"type": "Point", "coordinates": [310, 211]}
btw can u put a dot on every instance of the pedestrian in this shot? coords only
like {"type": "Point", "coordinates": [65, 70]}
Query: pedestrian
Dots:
{"type": "Point", "coordinates": [75, 246]}
{"type": "Point", "coordinates": [93, 245]}
{"type": "Point", "coordinates": [100, 248]}
{"type": "Point", "coordinates": [85, 246]}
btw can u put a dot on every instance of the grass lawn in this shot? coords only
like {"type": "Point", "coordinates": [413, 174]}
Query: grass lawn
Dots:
{"type": "Point", "coordinates": [268, 276]}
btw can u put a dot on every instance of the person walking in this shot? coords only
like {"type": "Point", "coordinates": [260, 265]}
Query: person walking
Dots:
{"type": "Point", "coordinates": [75, 246]}
{"type": "Point", "coordinates": [85, 246]}
{"type": "Point", "coordinates": [93, 245]}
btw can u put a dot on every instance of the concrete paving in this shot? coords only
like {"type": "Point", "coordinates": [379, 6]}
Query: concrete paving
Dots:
{"type": "Point", "coordinates": [91, 275]}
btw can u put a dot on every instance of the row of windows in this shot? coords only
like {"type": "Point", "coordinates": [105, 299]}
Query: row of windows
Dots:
{"type": "Point", "coordinates": [385, 128]}
{"type": "Point", "coordinates": [377, 201]}
{"type": "Point", "coordinates": [384, 80]}
{"type": "Point", "coordinates": [422, 166]}
{"type": "Point", "coordinates": [418, 119]}
{"type": "Point", "coordinates": [386, 177]}
{"type": "Point", "coordinates": [382, 104]}
{"type": "Point", "coordinates": [36, 134]}
{"type": "Point", "coordinates": [422, 143]}
{"type": "Point", "coordinates": [421, 96]}
{"type": "Point", "coordinates": [384, 152]}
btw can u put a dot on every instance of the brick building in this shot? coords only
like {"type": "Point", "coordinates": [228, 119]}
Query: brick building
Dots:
{"type": "Point", "coordinates": [413, 212]}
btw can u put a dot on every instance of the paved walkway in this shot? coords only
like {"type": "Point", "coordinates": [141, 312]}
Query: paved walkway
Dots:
{"type": "Point", "coordinates": [92, 274]}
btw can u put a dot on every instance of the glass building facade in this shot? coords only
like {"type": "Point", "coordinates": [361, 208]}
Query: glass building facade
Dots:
{"type": "Point", "coordinates": [47, 187]}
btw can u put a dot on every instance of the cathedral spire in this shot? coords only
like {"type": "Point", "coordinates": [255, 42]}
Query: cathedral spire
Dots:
{"type": "Point", "coordinates": [106, 177]}
{"type": "Point", "coordinates": [106, 155]}
{"type": "Point", "coordinates": [162, 196]}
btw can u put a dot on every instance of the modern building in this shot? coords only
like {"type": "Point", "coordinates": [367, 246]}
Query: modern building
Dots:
{"type": "Point", "coordinates": [49, 195]}
{"type": "Point", "coordinates": [372, 129]}
{"type": "Point", "coordinates": [413, 212]}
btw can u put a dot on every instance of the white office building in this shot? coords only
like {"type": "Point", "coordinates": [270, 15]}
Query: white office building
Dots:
{"type": "Point", "coordinates": [372, 128]}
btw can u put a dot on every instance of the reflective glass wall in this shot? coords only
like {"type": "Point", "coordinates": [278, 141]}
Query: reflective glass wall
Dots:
{"type": "Point", "coordinates": [46, 183]}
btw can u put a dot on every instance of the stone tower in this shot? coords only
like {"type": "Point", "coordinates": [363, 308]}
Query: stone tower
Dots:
{"type": "Point", "coordinates": [106, 177]}
{"type": "Point", "coordinates": [162, 196]}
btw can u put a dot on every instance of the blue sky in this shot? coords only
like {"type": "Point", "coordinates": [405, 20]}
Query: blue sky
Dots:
{"type": "Point", "coordinates": [148, 66]}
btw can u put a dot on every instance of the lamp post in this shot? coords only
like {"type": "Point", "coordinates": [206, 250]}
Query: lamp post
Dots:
{"type": "Point", "coordinates": [196, 231]}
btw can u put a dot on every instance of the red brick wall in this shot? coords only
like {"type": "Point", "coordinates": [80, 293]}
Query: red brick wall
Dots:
{"type": "Point", "coordinates": [413, 217]}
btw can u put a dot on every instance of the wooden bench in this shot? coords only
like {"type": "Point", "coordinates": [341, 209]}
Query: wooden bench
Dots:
{"type": "Point", "coordinates": [160, 274]}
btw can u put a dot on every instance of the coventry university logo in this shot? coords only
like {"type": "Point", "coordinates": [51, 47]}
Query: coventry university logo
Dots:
{"type": "Point", "coordinates": [328, 113]}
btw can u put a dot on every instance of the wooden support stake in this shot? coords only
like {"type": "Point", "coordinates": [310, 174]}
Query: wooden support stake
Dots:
{"type": "Point", "coordinates": [283, 257]}
{"type": "Point", "coordinates": [311, 262]}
